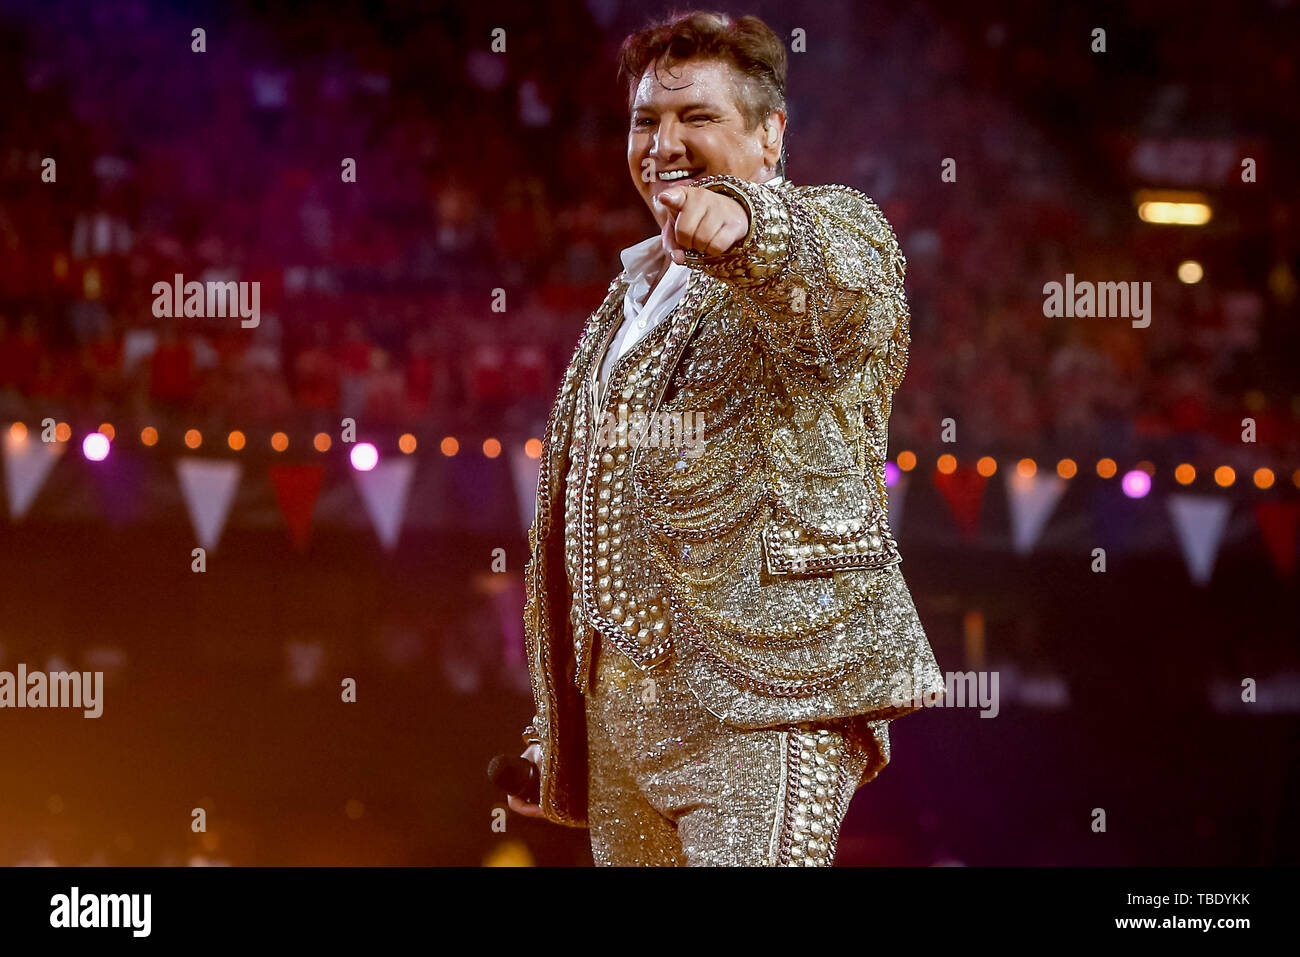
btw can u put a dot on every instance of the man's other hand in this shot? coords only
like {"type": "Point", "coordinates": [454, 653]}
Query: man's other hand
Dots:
{"type": "Point", "coordinates": [532, 753]}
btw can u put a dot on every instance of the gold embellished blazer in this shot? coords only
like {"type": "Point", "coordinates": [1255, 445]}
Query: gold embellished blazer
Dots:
{"type": "Point", "coordinates": [760, 557]}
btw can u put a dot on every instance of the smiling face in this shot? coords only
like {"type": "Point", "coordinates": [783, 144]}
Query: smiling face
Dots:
{"type": "Point", "coordinates": [686, 124]}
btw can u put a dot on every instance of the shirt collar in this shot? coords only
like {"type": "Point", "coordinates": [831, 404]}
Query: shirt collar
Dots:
{"type": "Point", "coordinates": [638, 259]}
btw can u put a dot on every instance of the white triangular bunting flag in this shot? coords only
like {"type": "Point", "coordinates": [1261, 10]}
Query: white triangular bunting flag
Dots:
{"type": "Point", "coordinates": [525, 472]}
{"type": "Point", "coordinates": [1032, 499]}
{"type": "Point", "coordinates": [897, 493]}
{"type": "Point", "coordinates": [383, 491]}
{"type": "Point", "coordinates": [208, 486]}
{"type": "Point", "coordinates": [27, 464]}
{"type": "Point", "coordinates": [1199, 521]}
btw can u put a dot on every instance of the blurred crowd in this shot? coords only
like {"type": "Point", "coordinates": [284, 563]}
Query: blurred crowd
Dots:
{"type": "Point", "coordinates": [448, 284]}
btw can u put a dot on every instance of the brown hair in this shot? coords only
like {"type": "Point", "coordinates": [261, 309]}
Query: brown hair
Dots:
{"type": "Point", "coordinates": [747, 43]}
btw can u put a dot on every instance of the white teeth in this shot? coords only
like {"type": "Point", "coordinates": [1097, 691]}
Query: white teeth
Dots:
{"type": "Point", "coordinates": [674, 174]}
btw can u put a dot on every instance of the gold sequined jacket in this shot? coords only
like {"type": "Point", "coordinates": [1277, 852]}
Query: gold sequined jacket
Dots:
{"type": "Point", "coordinates": [723, 499]}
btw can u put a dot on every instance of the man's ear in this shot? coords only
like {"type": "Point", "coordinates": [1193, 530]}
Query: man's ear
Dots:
{"type": "Point", "coordinates": [774, 127]}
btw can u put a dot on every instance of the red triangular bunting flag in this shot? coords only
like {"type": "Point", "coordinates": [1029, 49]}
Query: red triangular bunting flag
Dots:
{"type": "Point", "coordinates": [296, 489]}
{"type": "Point", "coordinates": [963, 490]}
{"type": "Point", "coordinates": [1278, 521]}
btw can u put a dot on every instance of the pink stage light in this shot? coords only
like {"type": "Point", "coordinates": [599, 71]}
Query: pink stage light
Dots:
{"type": "Point", "coordinates": [95, 446]}
{"type": "Point", "coordinates": [1136, 483]}
{"type": "Point", "coordinates": [364, 457]}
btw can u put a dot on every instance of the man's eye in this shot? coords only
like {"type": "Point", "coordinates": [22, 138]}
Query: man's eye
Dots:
{"type": "Point", "coordinates": [697, 119]}
{"type": "Point", "coordinates": [644, 119]}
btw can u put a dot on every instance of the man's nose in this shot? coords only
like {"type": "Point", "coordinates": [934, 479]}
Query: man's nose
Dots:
{"type": "Point", "coordinates": [668, 141]}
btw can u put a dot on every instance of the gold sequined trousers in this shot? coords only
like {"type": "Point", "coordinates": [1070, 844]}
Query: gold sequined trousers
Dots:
{"type": "Point", "coordinates": [671, 785]}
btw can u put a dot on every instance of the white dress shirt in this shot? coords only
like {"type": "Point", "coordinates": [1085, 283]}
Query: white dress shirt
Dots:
{"type": "Point", "coordinates": [643, 310]}
{"type": "Point", "coordinates": [642, 314]}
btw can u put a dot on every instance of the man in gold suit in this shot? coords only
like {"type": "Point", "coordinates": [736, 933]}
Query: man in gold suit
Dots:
{"type": "Point", "coordinates": [718, 632]}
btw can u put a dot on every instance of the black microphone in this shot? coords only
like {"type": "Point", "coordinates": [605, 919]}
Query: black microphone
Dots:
{"type": "Point", "coordinates": [517, 776]}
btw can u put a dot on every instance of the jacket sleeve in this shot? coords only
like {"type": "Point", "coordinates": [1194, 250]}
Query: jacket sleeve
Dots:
{"type": "Point", "coordinates": [821, 274]}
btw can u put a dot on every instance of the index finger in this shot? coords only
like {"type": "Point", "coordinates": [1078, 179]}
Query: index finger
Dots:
{"type": "Point", "coordinates": [668, 235]}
